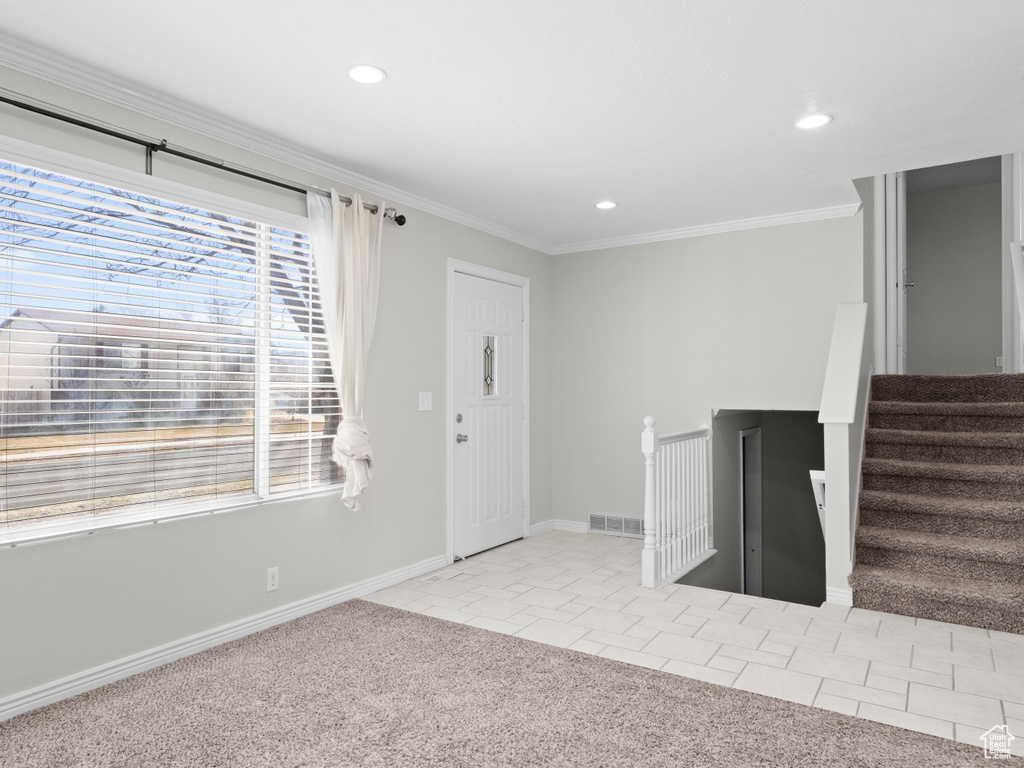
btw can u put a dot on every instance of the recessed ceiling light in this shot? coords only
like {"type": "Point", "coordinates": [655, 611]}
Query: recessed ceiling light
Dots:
{"type": "Point", "coordinates": [606, 205]}
{"type": "Point", "coordinates": [367, 73]}
{"type": "Point", "coordinates": [813, 121]}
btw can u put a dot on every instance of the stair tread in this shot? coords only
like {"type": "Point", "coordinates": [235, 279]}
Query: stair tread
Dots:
{"type": "Point", "coordinates": [943, 408]}
{"type": "Point", "coordinates": [952, 506]}
{"type": "Point", "coordinates": [979, 473]}
{"type": "Point", "coordinates": [955, 590]}
{"type": "Point", "coordinates": [942, 545]}
{"type": "Point", "coordinates": [936, 437]}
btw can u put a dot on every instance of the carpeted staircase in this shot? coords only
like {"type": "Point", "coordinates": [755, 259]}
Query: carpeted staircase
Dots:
{"type": "Point", "coordinates": [941, 530]}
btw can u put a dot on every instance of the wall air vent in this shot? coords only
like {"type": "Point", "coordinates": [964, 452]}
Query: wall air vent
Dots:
{"type": "Point", "coordinates": [617, 526]}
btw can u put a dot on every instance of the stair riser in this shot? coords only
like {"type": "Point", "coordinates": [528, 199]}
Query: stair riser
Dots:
{"type": "Point", "coordinates": [946, 454]}
{"type": "Point", "coordinates": [967, 615]}
{"type": "Point", "coordinates": [935, 565]}
{"type": "Point", "coordinates": [948, 524]}
{"type": "Point", "coordinates": [925, 422]}
{"type": "Point", "coordinates": [934, 486]}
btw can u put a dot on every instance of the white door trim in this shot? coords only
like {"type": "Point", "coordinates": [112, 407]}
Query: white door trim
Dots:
{"type": "Point", "coordinates": [878, 289]}
{"type": "Point", "coordinates": [487, 273]}
{"type": "Point", "coordinates": [1012, 232]}
{"type": "Point", "coordinates": [895, 273]}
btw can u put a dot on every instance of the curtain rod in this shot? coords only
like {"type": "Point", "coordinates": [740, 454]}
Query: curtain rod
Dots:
{"type": "Point", "coordinates": [152, 146]}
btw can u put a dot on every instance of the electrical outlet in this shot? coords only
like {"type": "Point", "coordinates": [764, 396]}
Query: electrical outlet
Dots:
{"type": "Point", "coordinates": [273, 578]}
{"type": "Point", "coordinates": [426, 401]}
{"type": "Point", "coordinates": [999, 362]}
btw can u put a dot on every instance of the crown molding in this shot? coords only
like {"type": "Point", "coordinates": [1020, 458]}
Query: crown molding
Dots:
{"type": "Point", "coordinates": [60, 70]}
{"type": "Point", "coordinates": [796, 217]}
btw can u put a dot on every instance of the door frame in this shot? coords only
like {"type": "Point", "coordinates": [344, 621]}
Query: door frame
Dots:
{"type": "Point", "coordinates": [896, 271]}
{"type": "Point", "coordinates": [890, 268]}
{"type": "Point", "coordinates": [744, 434]}
{"type": "Point", "coordinates": [1013, 231]}
{"type": "Point", "coordinates": [523, 283]}
{"type": "Point", "coordinates": [891, 264]}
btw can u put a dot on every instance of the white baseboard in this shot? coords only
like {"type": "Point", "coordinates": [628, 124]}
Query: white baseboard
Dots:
{"type": "Point", "coordinates": [558, 525]}
{"type": "Point", "coordinates": [544, 527]}
{"type": "Point", "coordinates": [140, 662]}
{"type": "Point", "coordinates": [839, 596]}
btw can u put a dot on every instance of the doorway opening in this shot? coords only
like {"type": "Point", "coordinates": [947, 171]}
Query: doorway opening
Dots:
{"type": "Point", "coordinates": [954, 268]}
{"type": "Point", "coordinates": [944, 297]}
{"type": "Point", "coordinates": [772, 512]}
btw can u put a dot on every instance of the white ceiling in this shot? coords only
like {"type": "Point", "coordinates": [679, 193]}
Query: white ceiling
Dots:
{"type": "Point", "coordinates": [522, 114]}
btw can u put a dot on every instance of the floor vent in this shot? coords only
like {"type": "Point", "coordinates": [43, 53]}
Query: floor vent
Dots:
{"type": "Point", "coordinates": [441, 576]}
{"type": "Point", "coordinates": [617, 526]}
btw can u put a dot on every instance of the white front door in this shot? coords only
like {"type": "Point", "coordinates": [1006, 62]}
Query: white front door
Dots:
{"type": "Point", "coordinates": [488, 413]}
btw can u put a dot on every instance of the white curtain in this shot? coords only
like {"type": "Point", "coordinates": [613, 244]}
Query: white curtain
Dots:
{"type": "Point", "coordinates": [346, 252]}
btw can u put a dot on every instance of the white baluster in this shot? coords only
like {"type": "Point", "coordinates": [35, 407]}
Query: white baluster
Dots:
{"type": "Point", "coordinates": [704, 503]}
{"type": "Point", "coordinates": [668, 467]}
{"type": "Point", "coordinates": [662, 514]}
{"type": "Point", "coordinates": [702, 484]}
{"type": "Point", "coordinates": [689, 506]}
{"type": "Point", "coordinates": [665, 467]}
{"type": "Point", "coordinates": [679, 470]}
{"type": "Point", "coordinates": [704, 537]}
{"type": "Point", "coordinates": [687, 511]}
{"type": "Point", "coordinates": [692, 467]}
{"type": "Point", "coordinates": [680, 505]}
{"type": "Point", "coordinates": [649, 448]}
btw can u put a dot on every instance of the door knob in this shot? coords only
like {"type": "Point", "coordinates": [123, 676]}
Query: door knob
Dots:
{"type": "Point", "coordinates": [462, 438]}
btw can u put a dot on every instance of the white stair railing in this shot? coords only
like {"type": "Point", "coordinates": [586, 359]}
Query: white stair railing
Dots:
{"type": "Point", "coordinates": [677, 512]}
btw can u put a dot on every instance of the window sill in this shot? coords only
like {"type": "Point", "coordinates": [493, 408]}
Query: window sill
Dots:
{"type": "Point", "coordinates": [40, 532]}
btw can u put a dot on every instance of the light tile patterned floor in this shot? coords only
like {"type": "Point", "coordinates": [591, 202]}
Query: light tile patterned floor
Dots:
{"type": "Point", "coordinates": [582, 591]}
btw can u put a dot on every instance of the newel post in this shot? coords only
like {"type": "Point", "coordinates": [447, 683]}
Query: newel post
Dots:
{"type": "Point", "coordinates": [649, 564]}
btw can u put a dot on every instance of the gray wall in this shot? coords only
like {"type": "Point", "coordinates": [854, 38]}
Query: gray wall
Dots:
{"type": "Point", "coordinates": [793, 548]}
{"type": "Point", "coordinates": [954, 258]}
{"type": "Point", "coordinates": [71, 605]}
{"type": "Point", "coordinates": [737, 321]}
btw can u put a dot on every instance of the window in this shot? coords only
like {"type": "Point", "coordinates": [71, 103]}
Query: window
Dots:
{"type": "Point", "coordinates": [152, 354]}
{"type": "Point", "coordinates": [488, 388]}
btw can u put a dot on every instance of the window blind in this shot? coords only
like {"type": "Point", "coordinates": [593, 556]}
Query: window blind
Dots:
{"type": "Point", "coordinates": [152, 353]}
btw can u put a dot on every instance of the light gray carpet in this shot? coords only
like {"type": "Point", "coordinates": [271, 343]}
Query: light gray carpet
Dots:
{"type": "Point", "coordinates": [361, 684]}
{"type": "Point", "coordinates": [941, 532]}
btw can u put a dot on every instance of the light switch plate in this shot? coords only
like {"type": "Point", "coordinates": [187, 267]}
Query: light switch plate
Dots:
{"type": "Point", "coordinates": [426, 401]}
